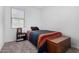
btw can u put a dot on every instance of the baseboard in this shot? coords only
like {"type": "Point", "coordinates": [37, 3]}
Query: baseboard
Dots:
{"type": "Point", "coordinates": [77, 47]}
{"type": "Point", "coordinates": [9, 41]}
{"type": "Point", "coordinates": [1, 46]}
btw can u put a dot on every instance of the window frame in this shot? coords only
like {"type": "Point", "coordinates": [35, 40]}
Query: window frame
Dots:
{"type": "Point", "coordinates": [17, 18]}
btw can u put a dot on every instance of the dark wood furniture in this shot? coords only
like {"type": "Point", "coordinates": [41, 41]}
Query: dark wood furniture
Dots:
{"type": "Point", "coordinates": [20, 36]}
{"type": "Point", "coordinates": [58, 45]}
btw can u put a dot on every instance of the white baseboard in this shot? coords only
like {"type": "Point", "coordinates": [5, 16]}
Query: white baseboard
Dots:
{"type": "Point", "coordinates": [77, 47]}
{"type": "Point", "coordinates": [1, 46]}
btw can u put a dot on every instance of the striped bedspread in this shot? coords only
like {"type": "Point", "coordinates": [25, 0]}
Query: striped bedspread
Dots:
{"type": "Point", "coordinates": [38, 38]}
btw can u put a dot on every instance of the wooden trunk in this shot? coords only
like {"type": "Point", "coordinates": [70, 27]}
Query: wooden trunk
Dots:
{"type": "Point", "coordinates": [58, 45]}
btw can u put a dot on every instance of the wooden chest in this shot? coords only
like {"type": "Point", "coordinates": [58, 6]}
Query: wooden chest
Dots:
{"type": "Point", "coordinates": [58, 45]}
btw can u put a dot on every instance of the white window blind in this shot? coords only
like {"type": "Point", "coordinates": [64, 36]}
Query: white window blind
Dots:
{"type": "Point", "coordinates": [17, 18]}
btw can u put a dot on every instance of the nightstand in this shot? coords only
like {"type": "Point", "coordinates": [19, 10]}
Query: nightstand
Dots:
{"type": "Point", "coordinates": [58, 45]}
{"type": "Point", "coordinates": [21, 37]}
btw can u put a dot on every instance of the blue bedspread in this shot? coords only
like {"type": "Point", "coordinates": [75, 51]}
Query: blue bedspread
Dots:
{"type": "Point", "coordinates": [34, 39]}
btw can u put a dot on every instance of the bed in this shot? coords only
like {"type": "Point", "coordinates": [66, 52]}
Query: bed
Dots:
{"type": "Point", "coordinates": [38, 38]}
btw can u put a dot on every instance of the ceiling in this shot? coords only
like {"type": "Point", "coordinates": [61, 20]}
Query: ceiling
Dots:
{"type": "Point", "coordinates": [23, 7]}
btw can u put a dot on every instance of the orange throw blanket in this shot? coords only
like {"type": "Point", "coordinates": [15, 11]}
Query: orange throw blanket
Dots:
{"type": "Point", "coordinates": [42, 38]}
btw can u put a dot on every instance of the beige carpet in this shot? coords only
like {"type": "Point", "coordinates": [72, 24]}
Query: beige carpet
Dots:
{"type": "Point", "coordinates": [18, 47]}
{"type": "Point", "coordinates": [25, 47]}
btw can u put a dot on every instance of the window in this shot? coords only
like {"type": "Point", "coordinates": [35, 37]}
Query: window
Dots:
{"type": "Point", "coordinates": [17, 18]}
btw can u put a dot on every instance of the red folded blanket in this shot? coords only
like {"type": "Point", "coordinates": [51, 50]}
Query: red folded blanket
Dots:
{"type": "Point", "coordinates": [43, 37]}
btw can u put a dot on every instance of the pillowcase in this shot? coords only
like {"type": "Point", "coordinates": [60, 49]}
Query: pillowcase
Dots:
{"type": "Point", "coordinates": [34, 28]}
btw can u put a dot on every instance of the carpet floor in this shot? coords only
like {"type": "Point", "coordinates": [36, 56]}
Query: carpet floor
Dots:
{"type": "Point", "coordinates": [25, 47]}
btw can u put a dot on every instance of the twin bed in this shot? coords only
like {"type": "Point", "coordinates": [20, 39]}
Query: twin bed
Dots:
{"type": "Point", "coordinates": [39, 37]}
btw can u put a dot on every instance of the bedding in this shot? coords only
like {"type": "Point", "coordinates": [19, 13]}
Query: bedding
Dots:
{"type": "Point", "coordinates": [38, 38]}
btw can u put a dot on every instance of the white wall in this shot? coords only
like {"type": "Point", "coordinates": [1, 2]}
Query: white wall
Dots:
{"type": "Point", "coordinates": [63, 19]}
{"type": "Point", "coordinates": [32, 18]}
{"type": "Point", "coordinates": [1, 27]}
